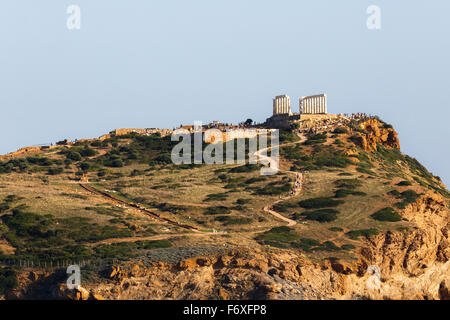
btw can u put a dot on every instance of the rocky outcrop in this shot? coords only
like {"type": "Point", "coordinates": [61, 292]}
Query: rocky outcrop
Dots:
{"type": "Point", "coordinates": [376, 132]}
{"type": "Point", "coordinates": [414, 250]}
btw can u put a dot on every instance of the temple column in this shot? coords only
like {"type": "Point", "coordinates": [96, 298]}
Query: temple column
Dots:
{"type": "Point", "coordinates": [320, 104]}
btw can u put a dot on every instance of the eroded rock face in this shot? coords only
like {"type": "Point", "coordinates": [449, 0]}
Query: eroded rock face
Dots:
{"type": "Point", "coordinates": [376, 133]}
{"type": "Point", "coordinates": [414, 250]}
{"type": "Point", "coordinates": [412, 264]}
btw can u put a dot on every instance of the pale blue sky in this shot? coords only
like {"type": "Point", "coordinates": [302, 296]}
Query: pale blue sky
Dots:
{"type": "Point", "coordinates": [144, 63]}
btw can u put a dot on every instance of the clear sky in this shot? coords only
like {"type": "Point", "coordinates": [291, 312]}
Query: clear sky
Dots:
{"type": "Point", "coordinates": [147, 63]}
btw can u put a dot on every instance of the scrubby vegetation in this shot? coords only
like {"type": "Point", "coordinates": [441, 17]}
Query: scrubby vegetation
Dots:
{"type": "Point", "coordinates": [355, 234]}
{"type": "Point", "coordinates": [8, 279]}
{"type": "Point", "coordinates": [407, 197]}
{"type": "Point", "coordinates": [45, 237]}
{"type": "Point", "coordinates": [217, 210]}
{"type": "Point", "coordinates": [316, 203]}
{"type": "Point", "coordinates": [321, 215]}
{"type": "Point", "coordinates": [387, 214]}
{"type": "Point", "coordinates": [278, 234]}
{"type": "Point", "coordinates": [274, 188]}
{"type": "Point", "coordinates": [126, 250]}
{"type": "Point", "coordinates": [404, 183]}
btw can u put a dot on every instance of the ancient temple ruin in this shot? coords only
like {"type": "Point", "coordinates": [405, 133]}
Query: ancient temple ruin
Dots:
{"type": "Point", "coordinates": [316, 104]}
{"type": "Point", "coordinates": [281, 105]}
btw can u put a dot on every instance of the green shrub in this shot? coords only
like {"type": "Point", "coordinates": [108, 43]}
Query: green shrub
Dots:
{"type": "Point", "coordinates": [281, 234]}
{"type": "Point", "coordinates": [245, 168]}
{"type": "Point", "coordinates": [306, 244]}
{"type": "Point", "coordinates": [8, 280]}
{"type": "Point", "coordinates": [386, 214]}
{"type": "Point", "coordinates": [84, 166]}
{"type": "Point", "coordinates": [327, 246]}
{"type": "Point", "coordinates": [3, 207]}
{"type": "Point", "coordinates": [344, 174]}
{"type": "Point", "coordinates": [274, 188]}
{"type": "Point", "coordinates": [316, 203]}
{"type": "Point", "coordinates": [355, 234]}
{"type": "Point", "coordinates": [342, 193]}
{"type": "Point", "coordinates": [350, 184]}
{"type": "Point", "coordinates": [101, 173]}
{"type": "Point", "coordinates": [216, 197]}
{"type": "Point", "coordinates": [336, 229]}
{"type": "Point", "coordinates": [74, 156]}
{"type": "Point", "coordinates": [217, 210]}
{"type": "Point", "coordinates": [255, 179]}
{"type": "Point", "coordinates": [227, 220]}
{"type": "Point", "coordinates": [87, 152]}
{"type": "Point", "coordinates": [321, 215]}
{"type": "Point", "coordinates": [316, 139]}
{"type": "Point", "coordinates": [404, 183]}
{"type": "Point", "coordinates": [243, 201]}
{"type": "Point", "coordinates": [283, 206]}
{"type": "Point", "coordinates": [340, 130]}
{"type": "Point", "coordinates": [407, 197]}
{"type": "Point", "coordinates": [348, 247]}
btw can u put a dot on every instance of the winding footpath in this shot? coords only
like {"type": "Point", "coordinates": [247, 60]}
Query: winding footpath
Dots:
{"type": "Point", "coordinates": [298, 185]}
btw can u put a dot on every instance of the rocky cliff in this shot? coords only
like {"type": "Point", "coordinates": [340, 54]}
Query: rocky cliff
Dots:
{"type": "Point", "coordinates": [373, 132]}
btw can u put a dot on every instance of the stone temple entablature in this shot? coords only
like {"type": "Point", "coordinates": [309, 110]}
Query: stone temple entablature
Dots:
{"type": "Point", "coordinates": [281, 105]}
{"type": "Point", "coordinates": [310, 107]}
{"type": "Point", "coordinates": [316, 104]}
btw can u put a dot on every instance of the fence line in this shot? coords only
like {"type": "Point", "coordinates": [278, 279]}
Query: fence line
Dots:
{"type": "Point", "coordinates": [54, 264]}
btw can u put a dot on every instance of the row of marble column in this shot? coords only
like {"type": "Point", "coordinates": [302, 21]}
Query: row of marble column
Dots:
{"type": "Point", "coordinates": [314, 104]}
{"type": "Point", "coordinates": [281, 105]}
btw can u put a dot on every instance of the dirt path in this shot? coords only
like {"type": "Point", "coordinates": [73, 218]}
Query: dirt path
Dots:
{"type": "Point", "coordinates": [136, 207]}
{"type": "Point", "coordinates": [298, 185]}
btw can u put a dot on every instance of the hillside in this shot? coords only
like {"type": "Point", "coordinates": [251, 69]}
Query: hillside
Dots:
{"type": "Point", "coordinates": [345, 198]}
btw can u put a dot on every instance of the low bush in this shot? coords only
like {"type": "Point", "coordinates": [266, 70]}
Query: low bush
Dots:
{"type": "Point", "coordinates": [327, 246]}
{"type": "Point", "coordinates": [404, 183]}
{"type": "Point", "coordinates": [386, 214]}
{"type": "Point", "coordinates": [321, 215]}
{"type": "Point", "coordinates": [8, 280]}
{"type": "Point", "coordinates": [243, 201]}
{"type": "Point", "coordinates": [340, 130]}
{"type": "Point", "coordinates": [342, 193]}
{"type": "Point", "coordinates": [217, 210]}
{"type": "Point", "coordinates": [281, 234]}
{"type": "Point", "coordinates": [216, 197]}
{"type": "Point", "coordinates": [274, 189]}
{"type": "Point", "coordinates": [348, 183]}
{"type": "Point", "coordinates": [316, 203]}
{"type": "Point", "coordinates": [227, 220]}
{"type": "Point", "coordinates": [348, 247]}
{"type": "Point", "coordinates": [245, 168]}
{"type": "Point", "coordinates": [316, 139]}
{"type": "Point", "coordinates": [355, 234]}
